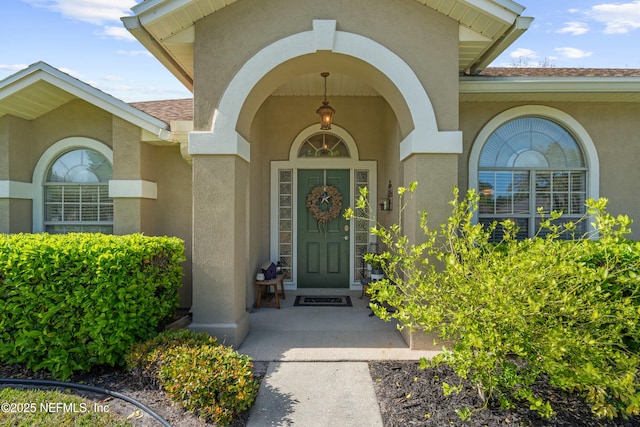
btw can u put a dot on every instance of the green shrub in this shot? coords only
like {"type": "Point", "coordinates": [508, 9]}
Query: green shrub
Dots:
{"type": "Point", "coordinates": [145, 358]}
{"type": "Point", "coordinates": [35, 408]}
{"type": "Point", "coordinates": [206, 378]}
{"type": "Point", "coordinates": [522, 310]}
{"type": "Point", "coordinates": [70, 302]}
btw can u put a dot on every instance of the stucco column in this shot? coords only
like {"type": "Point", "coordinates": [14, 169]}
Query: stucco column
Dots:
{"type": "Point", "coordinates": [220, 188]}
{"type": "Point", "coordinates": [436, 175]}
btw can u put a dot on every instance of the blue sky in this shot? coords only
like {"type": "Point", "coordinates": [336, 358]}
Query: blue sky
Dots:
{"type": "Point", "coordinates": [86, 39]}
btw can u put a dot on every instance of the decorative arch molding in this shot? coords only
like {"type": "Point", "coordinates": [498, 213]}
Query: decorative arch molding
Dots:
{"type": "Point", "coordinates": [424, 138]}
{"type": "Point", "coordinates": [51, 154]}
{"type": "Point", "coordinates": [572, 125]}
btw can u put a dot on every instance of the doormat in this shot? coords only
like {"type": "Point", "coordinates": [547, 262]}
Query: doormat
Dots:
{"type": "Point", "coordinates": [323, 301]}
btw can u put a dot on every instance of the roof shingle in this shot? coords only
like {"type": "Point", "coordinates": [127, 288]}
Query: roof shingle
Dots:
{"type": "Point", "coordinates": [560, 72]}
{"type": "Point", "coordinates": [167, 110]}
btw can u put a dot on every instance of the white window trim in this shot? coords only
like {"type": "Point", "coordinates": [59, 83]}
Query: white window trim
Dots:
{"type": "Point", "coordinates": [294, 163]}
{"type": "Point", "coordinates": [45, 161]}
{"type": "Point", "coordinates": [563, 119]}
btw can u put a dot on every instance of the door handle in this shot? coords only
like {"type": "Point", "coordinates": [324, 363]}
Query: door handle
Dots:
{"type": "Point", "coordinates": [346, 237]}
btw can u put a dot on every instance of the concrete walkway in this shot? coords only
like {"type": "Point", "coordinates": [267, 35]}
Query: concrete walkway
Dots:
{"type": "Point", "coordinates": [317, 373]}
{"type": "Point", "coordinates": [316, 394]}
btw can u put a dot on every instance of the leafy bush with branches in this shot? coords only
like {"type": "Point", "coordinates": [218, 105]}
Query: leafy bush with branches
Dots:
{"type": "Point", "coordinates": [562, 307]}
{"type": "Point", "coordinates": [69, 302]}
{"type": "Point", "coordinates": [206, 378]}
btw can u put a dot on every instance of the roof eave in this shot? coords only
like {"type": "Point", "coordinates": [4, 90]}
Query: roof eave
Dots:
{"type": "Point", "coordinates": [470, 85]}
{"type": "Point", "coordinates": [42, 71]}
{"type": "Point", "coordinates": [521, 24]}
{"type": "Point", "coordinates": [158, 50]}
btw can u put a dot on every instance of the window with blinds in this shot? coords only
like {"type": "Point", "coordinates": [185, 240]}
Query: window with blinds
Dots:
{"type": "Point", "coordinates": [526, 164]}
{"type": "Point", "coordinates": [76, 194]}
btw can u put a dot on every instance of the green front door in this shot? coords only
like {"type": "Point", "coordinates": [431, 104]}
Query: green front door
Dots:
{"type": "Point", "coordinates": [323, 249]}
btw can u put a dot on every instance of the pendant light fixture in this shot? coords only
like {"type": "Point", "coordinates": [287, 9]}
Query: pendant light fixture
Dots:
{"type": "Point", "coordinates": [325, 111]}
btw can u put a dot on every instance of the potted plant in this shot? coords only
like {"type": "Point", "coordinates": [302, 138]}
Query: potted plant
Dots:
{"type": "Point", "coordinates": [374, 266]}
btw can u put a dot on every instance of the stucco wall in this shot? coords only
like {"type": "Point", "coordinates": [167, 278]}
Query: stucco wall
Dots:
{"type": "Point", "coordinates": [76, 118]}
{"type": "Point", "coordinates": [615, 131]}
{"type": "Point", "coordinates": [173, 207]}
{"type": "Point", "coordinates": [135, 160]}
{"type": "Point", "coordinates": [390, 168]}
{"type": "Point", "coordinates": [15, 151]}
{"type": "Point", "coordinates": [15, 216]}
{"type": "Point", "coordinates": [426, 40]}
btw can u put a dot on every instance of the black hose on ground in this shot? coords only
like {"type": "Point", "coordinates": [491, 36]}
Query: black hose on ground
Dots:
{"type": "Point", "coordinates": [83, 387]}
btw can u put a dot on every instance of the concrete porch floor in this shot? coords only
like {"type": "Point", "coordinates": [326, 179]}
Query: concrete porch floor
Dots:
{"type": "Point", "coordinates": [306, 334]}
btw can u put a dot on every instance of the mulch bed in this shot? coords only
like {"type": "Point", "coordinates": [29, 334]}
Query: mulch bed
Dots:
{"type": "Point", "coordinates": [410, 396]}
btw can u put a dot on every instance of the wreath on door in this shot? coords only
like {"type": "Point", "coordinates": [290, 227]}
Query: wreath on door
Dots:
{"type": "Point", "coordinates": [324, 194]}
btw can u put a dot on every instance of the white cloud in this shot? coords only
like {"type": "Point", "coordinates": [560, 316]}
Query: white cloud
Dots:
{"type": "Point", "coordinates": [523, 53]}
{"type": "Point", "coordinates": [619, 18]}
{"type": "Point", "coordinates": [72, 73]}
{"type": "Point", "coordinates": [93, 11]}
{"type": "Point", "coordinates": [135, 53]}
{"type": "Point", "coordinates": [13, 67]}
{"type": "Point", "coordinates": [574, 28]}
{"type": "Point", "coordinates": [119, 33]}
{"type": "Point", "coordinates": [112, 78]}
{"type": "Point", "coordinates": [97, 12]}
{"type": "Point", "coordinates": [572, 53]}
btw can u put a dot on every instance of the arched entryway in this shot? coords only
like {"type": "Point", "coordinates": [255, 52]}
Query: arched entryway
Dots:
{"type": "Point", "coordinates": [315, 254]}
{"type": "Point", "coordinates": [226, 251]}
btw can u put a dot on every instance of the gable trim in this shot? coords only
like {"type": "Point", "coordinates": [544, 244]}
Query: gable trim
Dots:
{"type": "Point", "coordinates": [41, 71]}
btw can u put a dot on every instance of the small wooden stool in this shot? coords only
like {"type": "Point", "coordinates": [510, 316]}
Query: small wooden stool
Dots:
{"type": "Point", "coordinates": [267, 285]}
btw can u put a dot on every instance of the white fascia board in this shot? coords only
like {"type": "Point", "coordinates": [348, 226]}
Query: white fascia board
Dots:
{"type": "Point", "coordinates": [511, 5]}
{"type": "Point", "coordinates": [16, 190]}
{"type": "Point", "coordinates": [133, 189]}
{"type": "Point", "coordinates": [549, 84]}
{"type": "Point", "coordinates": [503, 10]}
{"type": "Point", "coordinates": [158, 8]}
{"type": "Point", "coordinates": [158, 50]}
{"type": "Point", "coordinates": [521, 24]}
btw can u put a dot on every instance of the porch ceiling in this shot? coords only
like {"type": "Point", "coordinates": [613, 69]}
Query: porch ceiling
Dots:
{"type": "Point", "coordinates": [337, 85]}
{"type": "Point", "coordinates": [166, 29]}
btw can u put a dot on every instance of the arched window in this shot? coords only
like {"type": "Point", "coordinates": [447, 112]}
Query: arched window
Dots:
{"type": "Point", "coordinates": [323, 145]}
{"type": "Point", "coordinates": [76, 193]}
{"type": "Point", "coordinates": [529, 163]}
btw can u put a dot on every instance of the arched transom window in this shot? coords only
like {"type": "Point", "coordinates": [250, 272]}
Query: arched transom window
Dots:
{"type": "Point", "coordinates": [323, 145]}
{"type": "Point", "coordinates": [527, 163]}
{"type": "Point", "coordinates": [76, 193]}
